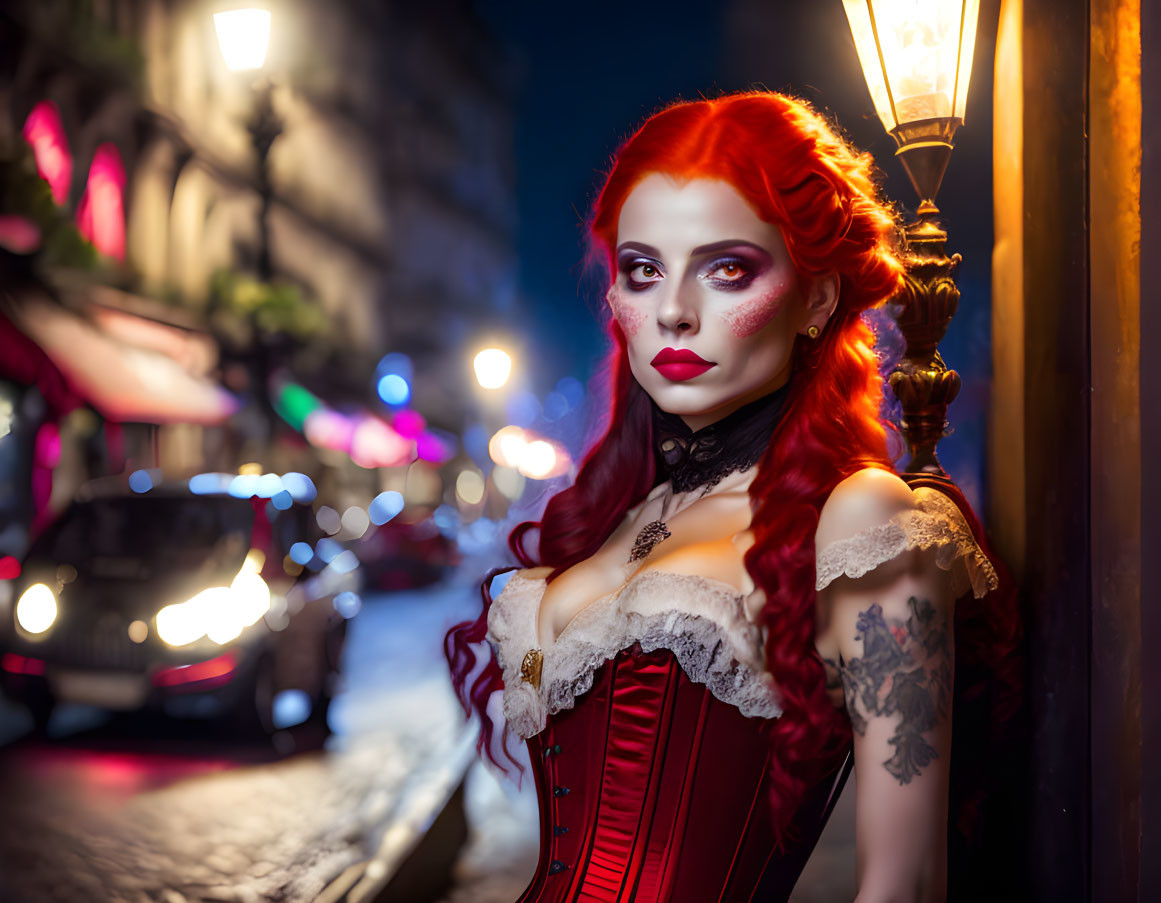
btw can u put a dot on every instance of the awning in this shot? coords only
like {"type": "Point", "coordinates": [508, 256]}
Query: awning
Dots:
{"type": "Point", "coordinates": [128, 367]}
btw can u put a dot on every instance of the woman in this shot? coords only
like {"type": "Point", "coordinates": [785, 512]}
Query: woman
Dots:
{"type": "Point", "coordinates": [736, 550]}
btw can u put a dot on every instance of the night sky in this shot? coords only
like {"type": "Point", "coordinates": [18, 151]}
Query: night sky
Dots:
{"type": "Point", "coordinates": [589, 73]}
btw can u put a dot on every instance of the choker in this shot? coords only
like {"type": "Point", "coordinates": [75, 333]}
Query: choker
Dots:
{"type": "Point", "coordinates": [704, 458]}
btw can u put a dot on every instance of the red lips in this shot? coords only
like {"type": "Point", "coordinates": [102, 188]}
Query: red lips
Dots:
{"type": "Point", "coordinates": [680, 364]}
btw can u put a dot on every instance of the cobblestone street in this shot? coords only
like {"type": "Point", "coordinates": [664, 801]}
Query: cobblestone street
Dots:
{"type": "Point", "coordinates": [183, 815]}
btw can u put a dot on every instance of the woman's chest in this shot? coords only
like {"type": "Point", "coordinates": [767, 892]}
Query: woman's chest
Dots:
{"type": "Point", "coordinates": [706, 540]}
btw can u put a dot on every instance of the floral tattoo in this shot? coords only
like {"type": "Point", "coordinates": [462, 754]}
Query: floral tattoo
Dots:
{"type": "Point", "coordinates": [905, 670]}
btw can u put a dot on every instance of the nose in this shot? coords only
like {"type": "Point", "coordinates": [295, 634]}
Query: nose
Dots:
{"type": "Point", "coordinates": [678, 308]}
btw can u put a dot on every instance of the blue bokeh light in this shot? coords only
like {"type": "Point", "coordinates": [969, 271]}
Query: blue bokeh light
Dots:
{"type": "Point", "coordinates": [523, 408]}
{"type": "Point", "coordinates": [140, 481]}
{"type": "Point", "coordinates": [268, 485]}
{"type": "Point", "coordinates": [300, 486]}
{"type": "Point", "coordinates": [282, 500]}
{"type": "Point", "coordinates": [301, 553]}
{"type": "Point", "coordinates": [209, 483]}
{"type": "Point", "coordinates": [290, 707]}
{"type": "Point", "coordinates": [345, 562]}
{"type": "Point", "coordinates": [348, 604]}
{"type": "Point", "coordinates": [244, 486]}
{"type": "Point", "coordinates": [385, 506]}
{"type": "Point", "coordinates": [396, 363]}
{"type": "Point", "coordinates": [328, 549]}
{"type": "Point", "coordinates": [555, 406]}
{"type": "Point", "coordinates": [394, 389]}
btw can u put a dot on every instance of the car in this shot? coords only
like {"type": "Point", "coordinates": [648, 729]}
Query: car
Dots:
{"type": "Point", "coordinates": [189, 604]}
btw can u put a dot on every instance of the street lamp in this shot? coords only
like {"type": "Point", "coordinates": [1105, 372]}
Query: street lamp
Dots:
{"type": "Point", "coordinates": [917, 56]}
{"type": "Point", "coordinates": [243, 37]}
{"type": "Point", "coordinates": [493, 366]}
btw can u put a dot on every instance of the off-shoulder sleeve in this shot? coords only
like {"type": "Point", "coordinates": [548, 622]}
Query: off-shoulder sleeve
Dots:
{"type": "Point", "coordinates": [512, 630]}
{"type": "Point", "coordinates": [936, 522]}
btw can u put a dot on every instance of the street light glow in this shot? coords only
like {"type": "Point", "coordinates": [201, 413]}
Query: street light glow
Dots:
{"type": "Point", "coordinates": [916, 56]}
{"type": "Point", "coordinates": [493, 367]}
{"type": "Point", "coordinates": [538, 460]}
{"type": "Point", "coordinates": [507, 446]}
{"type": "Point", "coordinates": [243, 35]}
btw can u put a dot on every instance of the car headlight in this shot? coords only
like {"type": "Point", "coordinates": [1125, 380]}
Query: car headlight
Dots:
{"type": "Point", "coordinates": [36, 611]}
{"type": "Point", "coordinates": [220, 612]}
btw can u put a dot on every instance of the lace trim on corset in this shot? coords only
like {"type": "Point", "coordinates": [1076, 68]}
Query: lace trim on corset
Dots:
{"type": "Point", "coordinates": [701, 621]}
{"type": "Point", "coordinates": [936, 523]}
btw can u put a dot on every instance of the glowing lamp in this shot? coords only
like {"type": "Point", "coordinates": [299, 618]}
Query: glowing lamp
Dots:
{"type": "Point", "coordinates": [243, 36]}
{"type": "Point", "coordinates": [917, 59]}
{"type": "Point", "coordinates": [36, 611]}
{"type": "Point", "coordinates": [538, 461]}
{"type": "Point", "coordinates": [493, 366]}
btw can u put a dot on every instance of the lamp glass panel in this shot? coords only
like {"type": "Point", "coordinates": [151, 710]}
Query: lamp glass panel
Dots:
{"type": "Point", "coordinates": [967, 49]}
{"type": "Point", "coordinates": [859, 17]}
{"type": "Point", "coordinates": [243, 35]}
{"type": "Point", "coordinates": [918, 43]}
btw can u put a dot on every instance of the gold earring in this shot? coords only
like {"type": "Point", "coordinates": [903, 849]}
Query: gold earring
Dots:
{"type": "Point", "coordinates": [812, 331]}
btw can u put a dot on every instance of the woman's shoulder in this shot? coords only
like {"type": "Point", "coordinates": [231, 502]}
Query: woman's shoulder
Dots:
{"type": "Point", "coordinates": [865, 499]}
{"type": "Point", "coordinates": [873, 517]}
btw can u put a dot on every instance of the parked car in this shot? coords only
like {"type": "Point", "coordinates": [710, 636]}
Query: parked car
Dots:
{"type": "Point", "coordinates": [179, 603]}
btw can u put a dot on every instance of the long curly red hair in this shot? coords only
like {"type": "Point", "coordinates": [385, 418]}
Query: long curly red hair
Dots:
{"type": "Point", "coordinates": [799, 174]}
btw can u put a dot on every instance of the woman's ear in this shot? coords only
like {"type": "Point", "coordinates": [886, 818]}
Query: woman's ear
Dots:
{"type": "Point", "coordinates": [821, 300]}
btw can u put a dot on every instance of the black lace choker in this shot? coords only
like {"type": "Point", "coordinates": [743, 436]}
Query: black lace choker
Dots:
{"type": "Point", "coordinates": [704, 458]}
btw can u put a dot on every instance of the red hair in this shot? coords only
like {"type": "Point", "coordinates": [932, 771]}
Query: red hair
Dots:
{"type": "Point", "coordinates": [797, 173]}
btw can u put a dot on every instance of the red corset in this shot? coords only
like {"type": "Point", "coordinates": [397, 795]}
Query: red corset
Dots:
{"type": "Point", "coordinates": [651, 789]}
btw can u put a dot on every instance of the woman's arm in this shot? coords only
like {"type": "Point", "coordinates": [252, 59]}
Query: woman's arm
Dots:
{"type": "Point", "coordinates": [887, 635]}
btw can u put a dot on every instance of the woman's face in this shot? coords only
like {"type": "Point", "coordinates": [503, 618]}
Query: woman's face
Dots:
{"type": "Point", "coordinates": [707, 297]}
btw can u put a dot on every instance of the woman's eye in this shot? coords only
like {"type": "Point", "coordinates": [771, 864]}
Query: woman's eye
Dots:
{"type": "Point", "coordinates": [729, 271]}
{"type": "Point", "coordinates": [643, 273]}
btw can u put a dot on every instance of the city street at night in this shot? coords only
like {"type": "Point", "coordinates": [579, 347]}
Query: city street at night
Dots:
{"type": "Point", "coordinates": [652, 451]}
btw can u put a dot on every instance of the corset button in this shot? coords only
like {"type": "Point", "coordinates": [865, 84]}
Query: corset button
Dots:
{"type": "Point", "coordinates": [553, 750]}
{"type": "Point", "coordinates": [558, 830]}
{"type": "Point", "coordinates": [560, 791]}
{"type": "Point", "coordinates": [556, 866]}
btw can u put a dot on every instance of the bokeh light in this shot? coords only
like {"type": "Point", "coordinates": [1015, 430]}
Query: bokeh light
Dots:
{"type": "Point", "coordinates": [355, 522]}
{"type": "Point", "coordinates": [493, 366]}
{"type": "Point", "coordinates": [140, 481]}
{"type": "Point", "coordinates": [385, 506]}
{"type": "Point", "coordinates": [328, 519]}
{"type": "Point", "coordinates": [394, 389]}
{"type": "Point", "coordinates": [538, 460]}
{"type": "Point", "coordinates": [470, 487]}
{"type": "Point", "coordinates": [507, 445]}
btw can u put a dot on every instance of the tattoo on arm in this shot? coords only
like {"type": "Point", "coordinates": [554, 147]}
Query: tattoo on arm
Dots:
{"type": "Point", "coordinates": [905, 670]}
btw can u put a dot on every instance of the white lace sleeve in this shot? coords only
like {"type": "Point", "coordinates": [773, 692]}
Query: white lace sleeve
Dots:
{"type": "Point", "coordinates": [512, 630]}
{"type": "Point", "coordinates": [936, 523]}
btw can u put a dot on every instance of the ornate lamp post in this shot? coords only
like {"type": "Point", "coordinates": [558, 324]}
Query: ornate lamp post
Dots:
{"type": "Point", "coordinates": [917, 56]}
{"type": "Point", "coordinates": [244, 36]}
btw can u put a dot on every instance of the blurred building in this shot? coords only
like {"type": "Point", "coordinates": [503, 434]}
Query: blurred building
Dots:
{"type": "Point", "coordinates": [389, 204]}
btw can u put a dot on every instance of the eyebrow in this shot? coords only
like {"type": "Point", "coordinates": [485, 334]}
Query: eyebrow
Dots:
{"type": "Point", "coordinates": [642, 248]}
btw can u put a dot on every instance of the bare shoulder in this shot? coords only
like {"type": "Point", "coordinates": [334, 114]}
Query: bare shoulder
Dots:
{"type": "Point", "coordinates": [867, 498]}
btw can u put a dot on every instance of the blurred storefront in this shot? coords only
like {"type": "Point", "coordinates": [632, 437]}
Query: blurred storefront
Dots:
{"type": "Point", "coordinates": [186, 241]}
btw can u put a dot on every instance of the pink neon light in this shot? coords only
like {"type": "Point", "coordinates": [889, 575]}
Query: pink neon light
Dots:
{"type": "Point", "coordinates": [409, 423]}
{"type": "Point", "coordinates": [101, 217]}
{"type": "Point", "coordinates": [44, 131]}
{"type": "Point", "coordinates": [9, 568]}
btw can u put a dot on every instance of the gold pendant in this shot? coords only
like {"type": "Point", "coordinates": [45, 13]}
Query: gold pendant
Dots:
{"type": "Point", "coordinates": [651, 534]}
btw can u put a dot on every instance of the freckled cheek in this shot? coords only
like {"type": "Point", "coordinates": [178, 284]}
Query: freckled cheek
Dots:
{"type": "Point", "coordinates": [630, 317]}
{"type": "Point", "coordinates": [751, 315]}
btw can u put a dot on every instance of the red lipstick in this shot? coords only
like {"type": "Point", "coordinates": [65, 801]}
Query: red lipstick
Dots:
{"type": "Point", "coordinates": [679, 365]}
